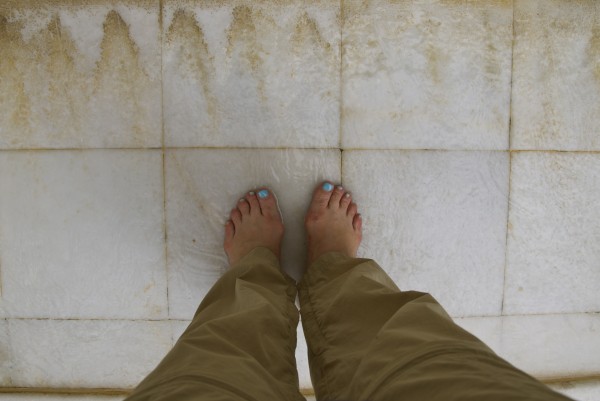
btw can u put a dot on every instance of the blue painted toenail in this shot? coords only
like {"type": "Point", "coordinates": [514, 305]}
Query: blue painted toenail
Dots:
{"type": "Point", "coordinates": [327, 187]}
{"type": "Point", "coordinates": [263, 194]}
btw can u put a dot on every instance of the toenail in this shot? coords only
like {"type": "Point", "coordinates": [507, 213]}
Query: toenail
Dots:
{"type": "Point", "coordinates": [340, 187]}
{"type": "Point", "coordinates": [243, 200]}
{"type": "Point", "coordinates": [327, 187]}
{"type": "Point", "coordinates": [251, 193]}
{"type": "Point", "coordinates": [347, 195]}
{"type": "Point", "coordinates": [263, 194]}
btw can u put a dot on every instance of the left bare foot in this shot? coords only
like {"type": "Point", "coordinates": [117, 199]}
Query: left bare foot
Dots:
{"type": "Point", "coordinates": [255, 221]}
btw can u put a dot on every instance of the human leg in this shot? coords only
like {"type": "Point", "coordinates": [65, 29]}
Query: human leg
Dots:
{"type": "Point", "coordinates": [240, 344]}
{"type": "Point", "coordinates": [368, 340]}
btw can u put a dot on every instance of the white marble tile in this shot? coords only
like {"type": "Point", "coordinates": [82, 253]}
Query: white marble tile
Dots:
{"type": "Point", "coordinates": [579, 390]}
{"type": "Point", "coordinates": [178, 327]}
{"type": "Point", "coordinates": [252, 74]}
{"type": "Point", "coordinates": [556, 75]}
{"type": "Point", "coordinates": [90, 353]}
{"type": "Point", "coordinates": [426, 74]}
{"type": "Point", "coordinates": [5, 354]}
{"type": "Point", "coordinates": [203, 185]}
{"type": "Point", "coordinates": [435, 221]}
{"type": "Point", "coordinates": [57, 397]}
{"type": "Point", "coordinates": [80, 77]}
{"type": "Point", "coordinates": [552, 346]}
{"type": "Point", "coordinates": [82, 234]}
{"type": "Point", "coordinates": [487, 329]}
{"type": "Point", "coordinates": [553, 257]}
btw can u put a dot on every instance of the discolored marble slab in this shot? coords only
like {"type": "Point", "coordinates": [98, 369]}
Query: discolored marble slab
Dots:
{"type": "Point", "coordinates": [556, 78]}
{"type": "Point", "coordinates": [429, 74]}
{"type": "Point", "coordinates": [252, 74]}
{"type": "Point", "coordinates": [79, 75]}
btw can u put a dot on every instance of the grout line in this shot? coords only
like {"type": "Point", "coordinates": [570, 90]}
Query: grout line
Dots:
{"type": "Point", "coordinates": [304, 391]}
{"type": "Point", "coordinates": [341, 76]}
{"type": "Point", "coordinates": [510, 105]}
{"type": "Point", "coordinates": [164, 175]}
{"type": "Point", "coordinates": [189, 320]}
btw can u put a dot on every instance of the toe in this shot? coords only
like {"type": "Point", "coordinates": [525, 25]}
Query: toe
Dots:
{"type": "Point", "coordinates": [243, 206]}
{"type": "Point", "coordinates": [357, 222]}
{"type": "Point", "coordinates": [352, 210]}
{"type": "Point", "coordinates": [253, 202]}
{"type": "Point", "coordinates": [336, 196]}
{"type": "Point", "coordinates": [322, 195]}
{"type": "Point", "coordinates": [268, 203]}
{"type": "Point", "coordinates": [236, 217]}
{"type": "Point", "coordinates": [229, 231]}
{"type": "Point", "coordinates": [345, 201]}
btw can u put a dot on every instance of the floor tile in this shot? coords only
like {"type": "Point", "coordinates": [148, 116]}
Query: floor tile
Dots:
{"type": "Point", "coordinates": [553, 346]}
{"type": "Point", "coordinates": [203, 185]}
{"type": "Point", "coordinates": [545, 346]}
{"type": "Point", "coordinates": [554, 232]}
{"type": "Point", "coordinates": [435, 221]}
{"type": "Point", "coordinates": [252, 74]}
{"type": "Point", "coordinates": [426, 74]}
{"type": "Point", "coordinates": [82, 234]}
{"type": "Point", "coordinates": [556, 75]}
{"type": "Point", "coordinates": [80, 77]}
{"type": "Point", "coordinates": [90, 353]}
{"type": "Point", "coordinates": [580, 391]}
{"type": "Point", "coordinates": [5, 354]}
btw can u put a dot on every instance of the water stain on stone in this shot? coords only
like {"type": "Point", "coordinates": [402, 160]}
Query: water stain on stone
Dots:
{"type": "Point", "coordinates": [491, 53]}
{"type": "Point", "coordinates": [14, 102]}
{"type": "Point", "coordinates": [241, 36]}
{"type": "Point", "coordinates": [56, 52]}
{"type": "Point", "coordinates": [307, 31]}
{"type": "Point", "coordinates": [118, 72]}
{"type": "Point", "coordinates": [436, 57]}
{"type": "Point", "coordinates": [185, 33]}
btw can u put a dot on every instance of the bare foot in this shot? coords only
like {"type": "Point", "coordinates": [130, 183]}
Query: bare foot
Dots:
{"type": "Point", "coordinates": [255, 221]}
{"type": "Point", "coordinates": [332, 222]}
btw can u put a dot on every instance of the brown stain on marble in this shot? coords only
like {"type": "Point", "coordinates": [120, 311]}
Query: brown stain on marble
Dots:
{"type": "Point", "coordinates": [307, 31]}
{"type": "Point", "coordinates": [436, 57]}
{"type": "Point", "coordinates": [185, 33]}
{"type": "Point", "coordinates": [242, 34]}
{"type": "Point", "coordinates": [14, 102]}
{"type": "Point", "coordinates": [118, 72]}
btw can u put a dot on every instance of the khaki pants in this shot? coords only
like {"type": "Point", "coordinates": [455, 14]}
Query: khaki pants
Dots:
{"type": "Point", "coordinates": [367, 340]}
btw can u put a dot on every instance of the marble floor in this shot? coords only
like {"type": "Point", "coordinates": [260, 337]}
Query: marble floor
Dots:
{"type": "Point", "coordinates": [468, 132]}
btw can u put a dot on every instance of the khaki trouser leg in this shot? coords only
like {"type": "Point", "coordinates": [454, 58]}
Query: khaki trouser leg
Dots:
{"type": "Point", "coordinates": [367, 340]}
{"type": "Point", "coordinates": [240, 345]}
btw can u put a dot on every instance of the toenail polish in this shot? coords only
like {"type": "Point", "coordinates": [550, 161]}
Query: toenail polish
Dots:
{"type": "Point", "coordinates": [263, 194]}
{"type": "Point", "coordinates": [327, 187]}
{"type": "Point", "coordinates": [347, 195]}
{"type": "Point", "coordinates": [243, 200]}
{"type": "Point", "coordinates": [340, 187]}
{"type": "Point", "coordinates": [251, 193]}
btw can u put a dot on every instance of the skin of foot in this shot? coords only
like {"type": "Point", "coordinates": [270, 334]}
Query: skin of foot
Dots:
{"type": "Point", "coordinates": [255, 221]}
{"type": "Point", "coordinates": [332, 222]}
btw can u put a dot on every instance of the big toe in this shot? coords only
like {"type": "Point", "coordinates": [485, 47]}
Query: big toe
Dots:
{"type": "Point", "coordinates": [268, 203]}
{"type": "Point", "coordinates": [322, 195]}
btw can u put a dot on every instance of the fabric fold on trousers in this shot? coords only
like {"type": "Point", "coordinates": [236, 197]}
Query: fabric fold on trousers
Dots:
{"type": "Point", "coordinates": [367, 340]}
{"type": "Point", "coordinates": [240, 344]}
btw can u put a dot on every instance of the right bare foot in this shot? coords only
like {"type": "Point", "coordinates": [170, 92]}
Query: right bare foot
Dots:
{"type": "Point", "coordinates": [332, 222]}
